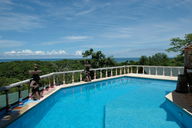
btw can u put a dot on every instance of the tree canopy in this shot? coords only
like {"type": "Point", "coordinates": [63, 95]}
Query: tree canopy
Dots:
{"type": "Point", "coordinates": [15, 71]}
{"type": "Point", "coordinates": [98, 59]}
{"type": "Point", "coordinates": [178, 44]}
{"type": "Point", "coordinates": [157, 59]}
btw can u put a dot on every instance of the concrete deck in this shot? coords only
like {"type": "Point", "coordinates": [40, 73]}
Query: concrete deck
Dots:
{"type": "Point", "coordinates": [152, 76]}
{"type": "Point", "coordinates": [18, 111]}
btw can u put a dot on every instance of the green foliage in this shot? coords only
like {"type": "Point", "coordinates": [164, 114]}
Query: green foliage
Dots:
{"type": "Point", "coordinates": [6, 81]}
{"type": "Point", "coordinates": [12, 72]}
{"type": "Point", "coordinates": [131, 62]}
{"type": "Point", "coordinates": [88, 53]}
{"type": "Point", "coordinates": [15, 71]}
{"type": "Point", "coordinates": [178, 60]}
{"type": "Point", "coordinates": [98, 59]}
{"type": "Point", "coordinates": [177, 44]}
{"type": "Point", "coordinates": [144, 60]}
{"type": "Point", "coordinates": [160, 59]}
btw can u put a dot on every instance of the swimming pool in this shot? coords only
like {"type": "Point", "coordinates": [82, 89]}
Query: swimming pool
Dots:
{"type": "Point", "coordinates": [124, 102]}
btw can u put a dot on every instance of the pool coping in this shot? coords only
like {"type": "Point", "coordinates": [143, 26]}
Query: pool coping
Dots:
{"type": "Point", "coordinates": [12, 116]}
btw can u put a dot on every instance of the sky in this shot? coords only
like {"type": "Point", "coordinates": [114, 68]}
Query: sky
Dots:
{"type": "Point", "coordinates": [66, 28]}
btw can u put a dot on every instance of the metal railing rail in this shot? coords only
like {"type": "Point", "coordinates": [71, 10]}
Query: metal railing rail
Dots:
{"type": "Point", "coordinates": [59, 78]}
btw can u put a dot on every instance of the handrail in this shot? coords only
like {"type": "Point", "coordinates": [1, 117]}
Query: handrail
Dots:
{"type": "Point", "coordinates": [156, 66]}
{"type": "Point", "coordinates": [14, 85]}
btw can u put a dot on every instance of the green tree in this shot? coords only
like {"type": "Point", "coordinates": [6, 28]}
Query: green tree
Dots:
{"type": "Point", "coordinates": [160, 59]}
{"type": "Point", "coordinates": [98, 59]}
{"type": "Point", "coordinates": [178, 44]}
{"type": "Point", "coordinates": [144, 60]}
{"type": "Point", "coordinates": [157, 59]}
{"type": "Point", "coordinates": [178, 60]}
{"type": "Point", "coordinates": [15, 71]}
{"type": "Point", "coordinates": [88, 53]}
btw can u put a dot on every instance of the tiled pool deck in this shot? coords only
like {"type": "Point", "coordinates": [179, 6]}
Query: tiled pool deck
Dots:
{"type": "Point", "coordinates": [182, 100]}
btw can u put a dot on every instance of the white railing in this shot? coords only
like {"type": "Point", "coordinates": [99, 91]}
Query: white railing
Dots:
{"type": "Point", "coordinates": [157, 70]}
{"type": "Point", "coordinates": [66, 77]}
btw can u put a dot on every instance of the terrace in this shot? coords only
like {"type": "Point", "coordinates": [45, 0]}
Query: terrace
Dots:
{"type": "Point", "coordinates": [55, 81]}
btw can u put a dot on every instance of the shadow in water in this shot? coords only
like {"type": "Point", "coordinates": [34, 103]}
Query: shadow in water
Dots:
{"type": "Point", "coordinates": [170, 117]}
{"type": "Point", "coordinates": [5, 119]}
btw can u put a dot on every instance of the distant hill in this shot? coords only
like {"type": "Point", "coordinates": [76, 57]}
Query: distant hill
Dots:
{"type": "Point", "coordinates": [55, 59]}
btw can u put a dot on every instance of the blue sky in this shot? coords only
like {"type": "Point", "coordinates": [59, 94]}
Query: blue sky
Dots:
{"type": "Point", "coordinates": [66, 28]}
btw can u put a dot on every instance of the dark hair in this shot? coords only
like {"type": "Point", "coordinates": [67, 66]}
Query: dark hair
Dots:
{"type": "Point", "coordinates": [36, 77]}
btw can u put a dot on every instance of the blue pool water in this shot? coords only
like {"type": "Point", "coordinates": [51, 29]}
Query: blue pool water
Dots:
{"type": "Point", "coordinates": [117, 103]}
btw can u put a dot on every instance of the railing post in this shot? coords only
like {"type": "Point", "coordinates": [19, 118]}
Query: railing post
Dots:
{"type": "Point", "coordinates": [50, 82]}
{"type": "Point", "coordinates": [124, 70]}
{"type": "Point", "coordinates": [95, 74]}
{"type": "Point", "coordinates": [47, 83]}
{"type": "Point", "coordinates": [137, 70]}
{"type": "Point", "coordinates": [19, 94]}
{"type": "Point", "coordinates": [155, 70]}
{"type": "Point", "coordinates": [116, 71]}
{"type": "Point", "coordinates": [149, 71]}
{"type": "Point", "coordinates": [80, 76]}
{"type": "Point", "coordinates": [111, 72]}
{"type": "Point", "coordinates": [120, 71]}
{"type": "Point", "coordinates": [54, 83]}
{"type": "Point", "coordinates": [179, 72]}
{"type": "Point", "coordinates": [128, 70]}
{"type": "Point", "coordinates": [56, 80]}
{"type": "Point", "coordinates": [43, 85]}
{"type": "Point", "coordinates": [73, 80]}
{"type": "Point", "coordinates": [143, 70]}
{"type": "Point", "coordinates": [101, 74]}
{"type": "Point", "coordinates": [171, 71]}
{"type": "Point", "coordinates": [7, 100]}
{"type": "Point", "coordinates": [63, 78]}
{"type": "Point", "coordinates": [106, 74]}
{"type": "Point", "coordinates": [131, 69]}
{"type": "Point", "coordinates": [163, 71]}
{"type": "Point", "coordinates": [29, 88]}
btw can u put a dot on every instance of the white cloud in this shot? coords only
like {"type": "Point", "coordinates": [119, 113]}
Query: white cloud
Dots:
{"type": "Point", "coordinates": [76, 37]}
{"type": "Point", "coordinates": [19, 22]}
{"type": "Point", "coordinates": [85, 12]}
{"type": "Point", "coordinates": [117, 35]}
{"type": "Point", "coordinates": [59, 52]}
{"type": "Point", "coordinates": [64, 11]}
{"type": "Point", "coordinates": [10, 43]}
{"type": "Point", "coordinates": [28, 52]}
{"type": "Point", "coordinates": [11, 19]}
{"type": "Point", "coordinates": [41, 3]}
{"type": "Point", "coordinates": [14, 16]}
{"type": "Point", "coordinates": [78, 53]}
{"type": "Point", "coordinates": [67, 39]}
{"type": "Point", "coordinates": [6, 2]}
